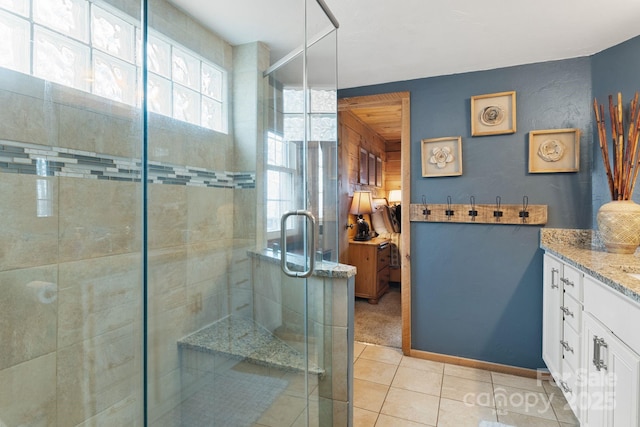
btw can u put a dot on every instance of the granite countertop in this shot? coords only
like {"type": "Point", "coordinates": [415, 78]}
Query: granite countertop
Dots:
{"type": "Point", "coordinates": [322, 268]}
{"type": "Point", "coordinates": [243, 339]}
{"type": "Point", "coordinates": [583, 249]}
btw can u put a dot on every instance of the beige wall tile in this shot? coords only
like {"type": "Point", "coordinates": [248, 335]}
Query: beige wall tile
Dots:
{"type": "Point", "coordinates": [28, 314]}
{"type": "Point", "coordinates": [97, 296]}
{"type": "Point", "coordinates": [245, 220]}
{"type": "Point", "coordinates": [98, 218]}
{"type": "Point", "coordinates": [29, 119]}
{"type": "Point", "coordinates": [209, 214]}
{"type": "Point", "coordinates": [167, 220]}
{"type": "Point", "coordinates": [28, 240]}
{"type": "Point", "coordinates": [127, 412]}
{"type": "Point", "coordinates": [338, 303]}
{"type": "Point", "coordinates": [109, 135]}
{"type": "Point", "coordinates": [28, 393]}
{"type": "Point", "coordinates": [97, 373]}
{"type": "Point", "coordinates": [337, 362]}
{"type": "Point", "coordinates": [167, 278]}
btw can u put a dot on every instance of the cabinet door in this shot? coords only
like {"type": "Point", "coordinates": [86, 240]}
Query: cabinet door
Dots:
{"type": "Point", "coordinates": [551, 315]}
{"type": "Point", "coordinates": [613, 378]}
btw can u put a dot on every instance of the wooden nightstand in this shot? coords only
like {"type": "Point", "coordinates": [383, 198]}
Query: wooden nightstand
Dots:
{"type": "Point", "coordinates": [371, 258]}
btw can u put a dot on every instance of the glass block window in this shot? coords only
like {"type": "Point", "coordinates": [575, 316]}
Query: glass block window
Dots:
{"type": "Point", "coordinates": [20, 7]}
{"type": "Point", "coordinates": [159, 93]}
{"type": "Point", "coordinates": [159, 56]}
{"type": "Point", "coordinates": [323, 124]}
{"type": "Point", "coordinates": [91, 46]}
{"type": "Point", "coordinates": [112, 34]}
{"type": "Point", "coordinates": [69, 17]}
{"type": "Point", "coordinates": [185, 68]}
{"type": "Point", "coordinates": [186, 104]}
{"type": "Point", "coordinates": [114, 79]}
{"type": "Point", "coordinates": [14, 42]}
{"type": "Point", "coordinates": [60, 59]}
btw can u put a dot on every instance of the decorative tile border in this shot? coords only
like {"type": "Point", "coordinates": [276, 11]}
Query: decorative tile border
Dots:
{"type": "Point", "coordinates": [42, 160]}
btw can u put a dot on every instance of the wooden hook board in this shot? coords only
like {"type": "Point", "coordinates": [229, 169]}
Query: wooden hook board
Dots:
{"type": "Point", "coordinates": [484, 214]}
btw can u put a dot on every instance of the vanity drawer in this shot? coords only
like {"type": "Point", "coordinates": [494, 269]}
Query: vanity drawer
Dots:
{"type": "Point", "coordinates": [572, 312]}
{"type": "Point", "coordinates": [572, 280]}
{"type": "Point", "coordinates": [570, 344]}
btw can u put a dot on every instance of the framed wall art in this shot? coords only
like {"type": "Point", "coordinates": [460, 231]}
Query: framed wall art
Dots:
{"type": "Point", "coordinates": [442, 156]}
{"type": "Point", "coordinates": [493, 114]}
{"type": "Point", "coordinates": [554, 150]}
{"type": "Point", "coordinates": [363, 177]}
{"type": "Point", "coordinates": [378, 172]}
{"type": "Point", "coordinates": [372, 169]}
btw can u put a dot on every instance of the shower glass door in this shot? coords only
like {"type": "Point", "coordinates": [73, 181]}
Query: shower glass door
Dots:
{"type": "Point", "coordinates": [140, 249]}
{"type": "Point", "coordinates": [233, 340]}
{"type": "Point", "coordinates": [70, 239]}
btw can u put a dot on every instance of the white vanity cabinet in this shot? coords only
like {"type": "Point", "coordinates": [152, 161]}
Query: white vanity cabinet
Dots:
{"type": "Point", "coordinates": [611, 360]}
{"type": "Point", "coordinates": [562, 326]}
{"type": "Point", "coordinates": [551, 315]}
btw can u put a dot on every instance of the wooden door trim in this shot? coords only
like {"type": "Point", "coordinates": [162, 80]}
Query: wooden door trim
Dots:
{"type": "Point", "coordinates": [403, 99]}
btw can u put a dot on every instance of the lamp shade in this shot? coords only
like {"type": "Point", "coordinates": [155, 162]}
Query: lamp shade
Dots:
{"type": "Point", "coordinates": [362, 203]}
{"type": "Point", "coordinates": [395, 196]}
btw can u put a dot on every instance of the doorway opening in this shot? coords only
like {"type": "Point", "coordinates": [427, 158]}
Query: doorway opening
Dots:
{"type": "Point", "coordinates": [380, 126]}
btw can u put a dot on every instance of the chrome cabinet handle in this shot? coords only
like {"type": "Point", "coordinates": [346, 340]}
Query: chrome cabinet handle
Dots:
{"type": "Point", "coordinates": [569, 283]}
{"type": "Point", "coordinates": [311, 245]}
{"type": "Point", "coordinates": [598, 344]}
{"type": "Point", "coordinates": [565, 387]}
{"type": "Point", "coordinates": [566, 346]}
{"type": "Point", "coordinates": [566, 311]}
{"type": "Point", "coordinates": [553, 282]}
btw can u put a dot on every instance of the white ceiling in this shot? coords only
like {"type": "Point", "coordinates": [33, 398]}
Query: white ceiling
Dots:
{"type": "Point", "coordinates": [382, 41]}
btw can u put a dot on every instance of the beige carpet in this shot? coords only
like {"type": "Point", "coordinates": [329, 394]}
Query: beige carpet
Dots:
{"type": "Point", "coordinates": [379, 323]}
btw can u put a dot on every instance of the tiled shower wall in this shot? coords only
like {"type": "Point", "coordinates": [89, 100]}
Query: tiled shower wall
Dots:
{"type": "Point", "coordinates": [70, 262]}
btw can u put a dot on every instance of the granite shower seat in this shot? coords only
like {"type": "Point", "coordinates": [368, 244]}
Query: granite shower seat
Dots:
{"type": "Point", "coordinates": [244, 339]}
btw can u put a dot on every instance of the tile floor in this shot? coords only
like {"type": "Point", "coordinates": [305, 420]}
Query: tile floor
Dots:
{"type": "Point", "coordinates": [391, 390]}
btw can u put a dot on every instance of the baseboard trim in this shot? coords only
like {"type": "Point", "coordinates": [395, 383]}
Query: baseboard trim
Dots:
{"type": "Point", "coordinates": [473, 363]}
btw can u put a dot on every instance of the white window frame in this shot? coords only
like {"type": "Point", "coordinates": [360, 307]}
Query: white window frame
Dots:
{"type": "Point", "coordinates": [289, 167]}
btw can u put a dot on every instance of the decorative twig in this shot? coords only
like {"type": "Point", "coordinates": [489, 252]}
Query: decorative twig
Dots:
{"type": "Point", "coordinates": [622, 168]}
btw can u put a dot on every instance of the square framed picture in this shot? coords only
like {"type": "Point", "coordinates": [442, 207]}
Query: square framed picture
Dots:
{"type": "Point", "coordinates": [363, 177]}
{"type": "Point", "coordinates": [493, 114]}
{"type": "Point", "coordinates": [442, 156]}
{"type": "Point", "coordinates": [554, 150]}
{"type": "Point", "coordinates": [372, 169]}
{"type": "Point", "coordinates": [378, 172]}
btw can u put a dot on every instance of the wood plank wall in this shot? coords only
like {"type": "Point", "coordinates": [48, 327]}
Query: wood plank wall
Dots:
{"type": "Point", "coordinates": [353, 134]}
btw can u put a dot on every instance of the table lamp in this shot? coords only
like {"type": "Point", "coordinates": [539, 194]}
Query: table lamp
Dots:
{"type": "Point", "coordinates": [362, 204]}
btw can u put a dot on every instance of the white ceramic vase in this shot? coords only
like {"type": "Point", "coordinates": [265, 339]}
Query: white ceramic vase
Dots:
{"type": "Point", "coordinates": [619, 225]}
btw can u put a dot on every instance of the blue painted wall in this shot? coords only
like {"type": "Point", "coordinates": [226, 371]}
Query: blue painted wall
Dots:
{"type": "Point", "coordinates": [613, 70]}
{"type": "Point", "coordinates": [477, 289]}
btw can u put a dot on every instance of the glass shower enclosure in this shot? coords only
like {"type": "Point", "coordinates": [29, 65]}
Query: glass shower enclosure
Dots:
{"type": "Point", "coordinates": [168, 247]}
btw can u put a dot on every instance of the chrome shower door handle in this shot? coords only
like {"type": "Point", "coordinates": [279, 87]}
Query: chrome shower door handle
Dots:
{"type": "Point", "coordinates": [311, 247]}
